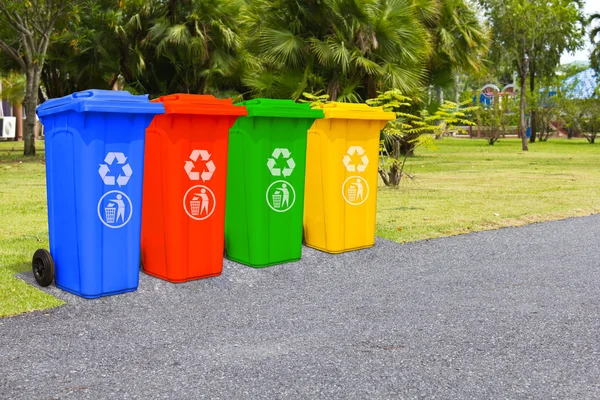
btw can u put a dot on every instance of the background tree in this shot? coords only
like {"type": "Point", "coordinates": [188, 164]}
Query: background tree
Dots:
{"type": "Point", "coordinates": [32, 24]}
{"type": "Point", "coordinates": [547, 113]}
{"type": "Point", "coordinates": [409, 130]}
{"type": "Point", "coordinates": [542, 104]}
{"type": "Point", "coordinates": [196, 45]}
{"type": "Point", "coordinates": [349, 48]}
{"type": "Point", "coordinates": [563, 30]}
{"type": "Point", "coordinates": [84, 49]}
{"type": "Point", "coordinates": [532, 34]}
{"type": "Point", "coordinates": [460, 44]}
{"type": "Point", "coordinates": [495, 120]}
{"type": "Point", "coordinates": [581, 116]}
{"type": "Point", "coordinates": [590, 118]}
{"type": "Point", "coordinates": [148, 46]}
{"type": "Point", "coordinates": [12, 89]}
{"type": "Point", "coordinates": [594, 21]}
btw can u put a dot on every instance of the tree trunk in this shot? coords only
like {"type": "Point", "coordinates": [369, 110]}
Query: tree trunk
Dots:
{"type": "Point", "coordinates": [532, 121]}
{"type": "Point", "coordinates": [31, 99]}
{"type": "Point", "coordinates": [371, 87]}
{"type": "Point", "coordinates": [384, 176]}
{"type": "Point", "coordinates": [395, 174]}
{"type": "Point", "coordinates": [523, 128]}
{"type": "Point", "coordinates": [18, 112]}
{"type": "Point", "coordinates": [457, 87]}
{"type": "Point", "coordinates": [396, 147]}
{"type": "Point", "coordinates": [407, 148]}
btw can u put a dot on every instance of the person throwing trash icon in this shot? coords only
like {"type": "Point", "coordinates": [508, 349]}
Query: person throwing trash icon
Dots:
{"type": "Point", "coordinates": [359, 190]}
{"type": "Point", "coordinates": [204, 198]}
{"type": "Point", "coordinates": [285, 201]}
{"type": "Point", "coordinates": [120, 208]}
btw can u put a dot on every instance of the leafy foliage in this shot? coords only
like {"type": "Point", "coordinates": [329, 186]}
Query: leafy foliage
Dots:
{"type": "Point", "coordinates": [13, 88]}
{"type": "Point", "coordinates": [544, 103]}
{"type": "Point", "coordinates": [349, 48]}
{"type": "Point", "coordinates": [532, 35]}
{"type": "Point", "coordinates": [409, 130]}
{"type": "Point", "coordinates": [315, 99]}
{"type": "Point", "coordinates": [494, 121]}
{"type": "Point", "coordinates": [26, 28]}
{"type": "Point", "coordinates": [581, 116]}
{"type": "Point", "coordinates": [594, 36]}
{"type": "Point", "coordinates": [161, 47]}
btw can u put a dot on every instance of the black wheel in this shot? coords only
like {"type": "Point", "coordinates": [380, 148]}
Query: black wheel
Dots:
{"type": "Point", "coordinates": [43, 267]}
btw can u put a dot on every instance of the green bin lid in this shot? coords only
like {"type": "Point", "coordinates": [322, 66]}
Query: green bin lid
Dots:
{"type": "Point", "coordinates": [280, 108]}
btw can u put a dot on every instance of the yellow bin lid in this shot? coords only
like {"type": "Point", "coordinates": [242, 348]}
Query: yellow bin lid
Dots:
{"type": "Point", "coordinates": [355, 111]}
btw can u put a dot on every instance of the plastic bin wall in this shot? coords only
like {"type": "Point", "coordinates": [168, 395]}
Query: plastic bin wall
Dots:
{"type": "Point", "coordinates": [341, 177]}
{"type": "Point", "coordinates": [184, 188]}
{"type": "Point", "coordinates": [265, 184]}
{"type": "Point", "coordinates": [94, 175]}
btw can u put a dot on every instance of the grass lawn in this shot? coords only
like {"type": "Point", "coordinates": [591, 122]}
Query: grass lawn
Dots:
{"type": "Point", "coordinates": [23, 227]}
{"type": "Point", "coordinates": [465, 186]}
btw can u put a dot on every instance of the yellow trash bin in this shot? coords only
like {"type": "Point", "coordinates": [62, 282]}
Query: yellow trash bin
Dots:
{"type": "Point", "coordinates": [340, 199]}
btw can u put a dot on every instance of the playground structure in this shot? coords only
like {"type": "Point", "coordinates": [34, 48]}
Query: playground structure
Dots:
{"type": "Point", "coordinates": [486, 99]}
{"type": "Point", "coordinates": [488, 93]}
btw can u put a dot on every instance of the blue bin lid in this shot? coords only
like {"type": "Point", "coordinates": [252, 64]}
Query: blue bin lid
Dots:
{"type": "Point", "coordinates": [101, 101]}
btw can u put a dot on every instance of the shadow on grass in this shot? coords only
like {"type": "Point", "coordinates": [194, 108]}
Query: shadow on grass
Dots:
{"type": "Point", "coordinates": [19, 267]}
{"type": "Point", "coordinates": [12, 152]}
{"type": "Point", "coordinates": [18, 251]}
{"type": "Point", "coordinates": [14, 158]}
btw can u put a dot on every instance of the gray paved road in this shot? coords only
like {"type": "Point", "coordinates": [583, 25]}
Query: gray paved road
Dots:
{"type": "Point", "coordinates": [513, 313]}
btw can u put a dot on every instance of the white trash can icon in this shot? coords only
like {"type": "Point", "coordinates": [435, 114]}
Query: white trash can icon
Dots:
{"type": "Point", "coordinates": [277, 199]}
{"type": "Point", "coordinates": [195, 206]}
{"type": "Point", "coordinates": [352, 193]}
{"type": "Point", "coordinates": [110, 213]}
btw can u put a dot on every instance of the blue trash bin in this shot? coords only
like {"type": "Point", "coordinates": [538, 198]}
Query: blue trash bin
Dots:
{"type": "Point", "coordinates": [94, 174]}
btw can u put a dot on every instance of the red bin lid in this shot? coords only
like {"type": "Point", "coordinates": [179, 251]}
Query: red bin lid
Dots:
{"type": "Point", "coordinates": [199, 104]}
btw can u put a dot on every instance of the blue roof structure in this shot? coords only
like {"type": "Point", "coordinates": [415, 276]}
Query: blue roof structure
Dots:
{"type": "Point", "coordinates": [582, 85]}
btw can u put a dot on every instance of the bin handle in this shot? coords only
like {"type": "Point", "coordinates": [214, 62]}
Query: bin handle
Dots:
{"type": "Point", "coordinates": [86, 93]}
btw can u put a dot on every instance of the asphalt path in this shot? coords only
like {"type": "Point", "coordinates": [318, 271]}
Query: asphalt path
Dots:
{"type": "Point", "coordinates": [510, 314]}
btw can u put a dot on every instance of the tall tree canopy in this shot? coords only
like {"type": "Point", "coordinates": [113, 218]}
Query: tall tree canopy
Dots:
{"type": "Point", "coordinates": [27, 27]}
{"type": "Point", "coordinates": [460, 40]}
{"type": "Point", "coordinates": [595, 39]}
{"type": "Point", "coordinates": [532, 34]}
{"type": "Point", "coordinates": [350, 48]}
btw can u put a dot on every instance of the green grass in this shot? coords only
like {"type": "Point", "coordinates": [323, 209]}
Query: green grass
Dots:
{"type": "Point", "coordinates": [23, 227]}
{"type": "Point", "coordinates": [465, 186]}
{"type": "Point", "coordinates": [469, 186]}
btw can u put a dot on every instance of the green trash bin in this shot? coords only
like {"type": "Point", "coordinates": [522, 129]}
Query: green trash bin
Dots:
{"type": "Point", "coordinates": [265, 182]}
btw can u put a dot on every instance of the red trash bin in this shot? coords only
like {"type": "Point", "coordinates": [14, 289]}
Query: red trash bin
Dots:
{"type": "Point", "coordinates": [183, 205]}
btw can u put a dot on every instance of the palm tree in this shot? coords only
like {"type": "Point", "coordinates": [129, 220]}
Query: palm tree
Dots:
{"type": "Point", "coordinates": [350, 48]}
{"type": "Point", "coordinates": [460, 42]}
{"type": "Point", "coordinates": [12, 89]}
{"type": "Point", "coordinates": [83, 52]}
{"type": "Point", "coordinates": [196, 45]}
{"type": "Point", "coordinates": [148, 46]}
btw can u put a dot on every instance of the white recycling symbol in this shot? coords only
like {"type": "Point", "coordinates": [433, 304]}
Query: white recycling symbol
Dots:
{"type": "Point", "coordinates": [195, 175]}
{"type": "Point", "coordinates": [352, 150]}
{"type": "Point", "coordinates": [273, 161]}
{"type": "Point", "coordinates": [121, 179]}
